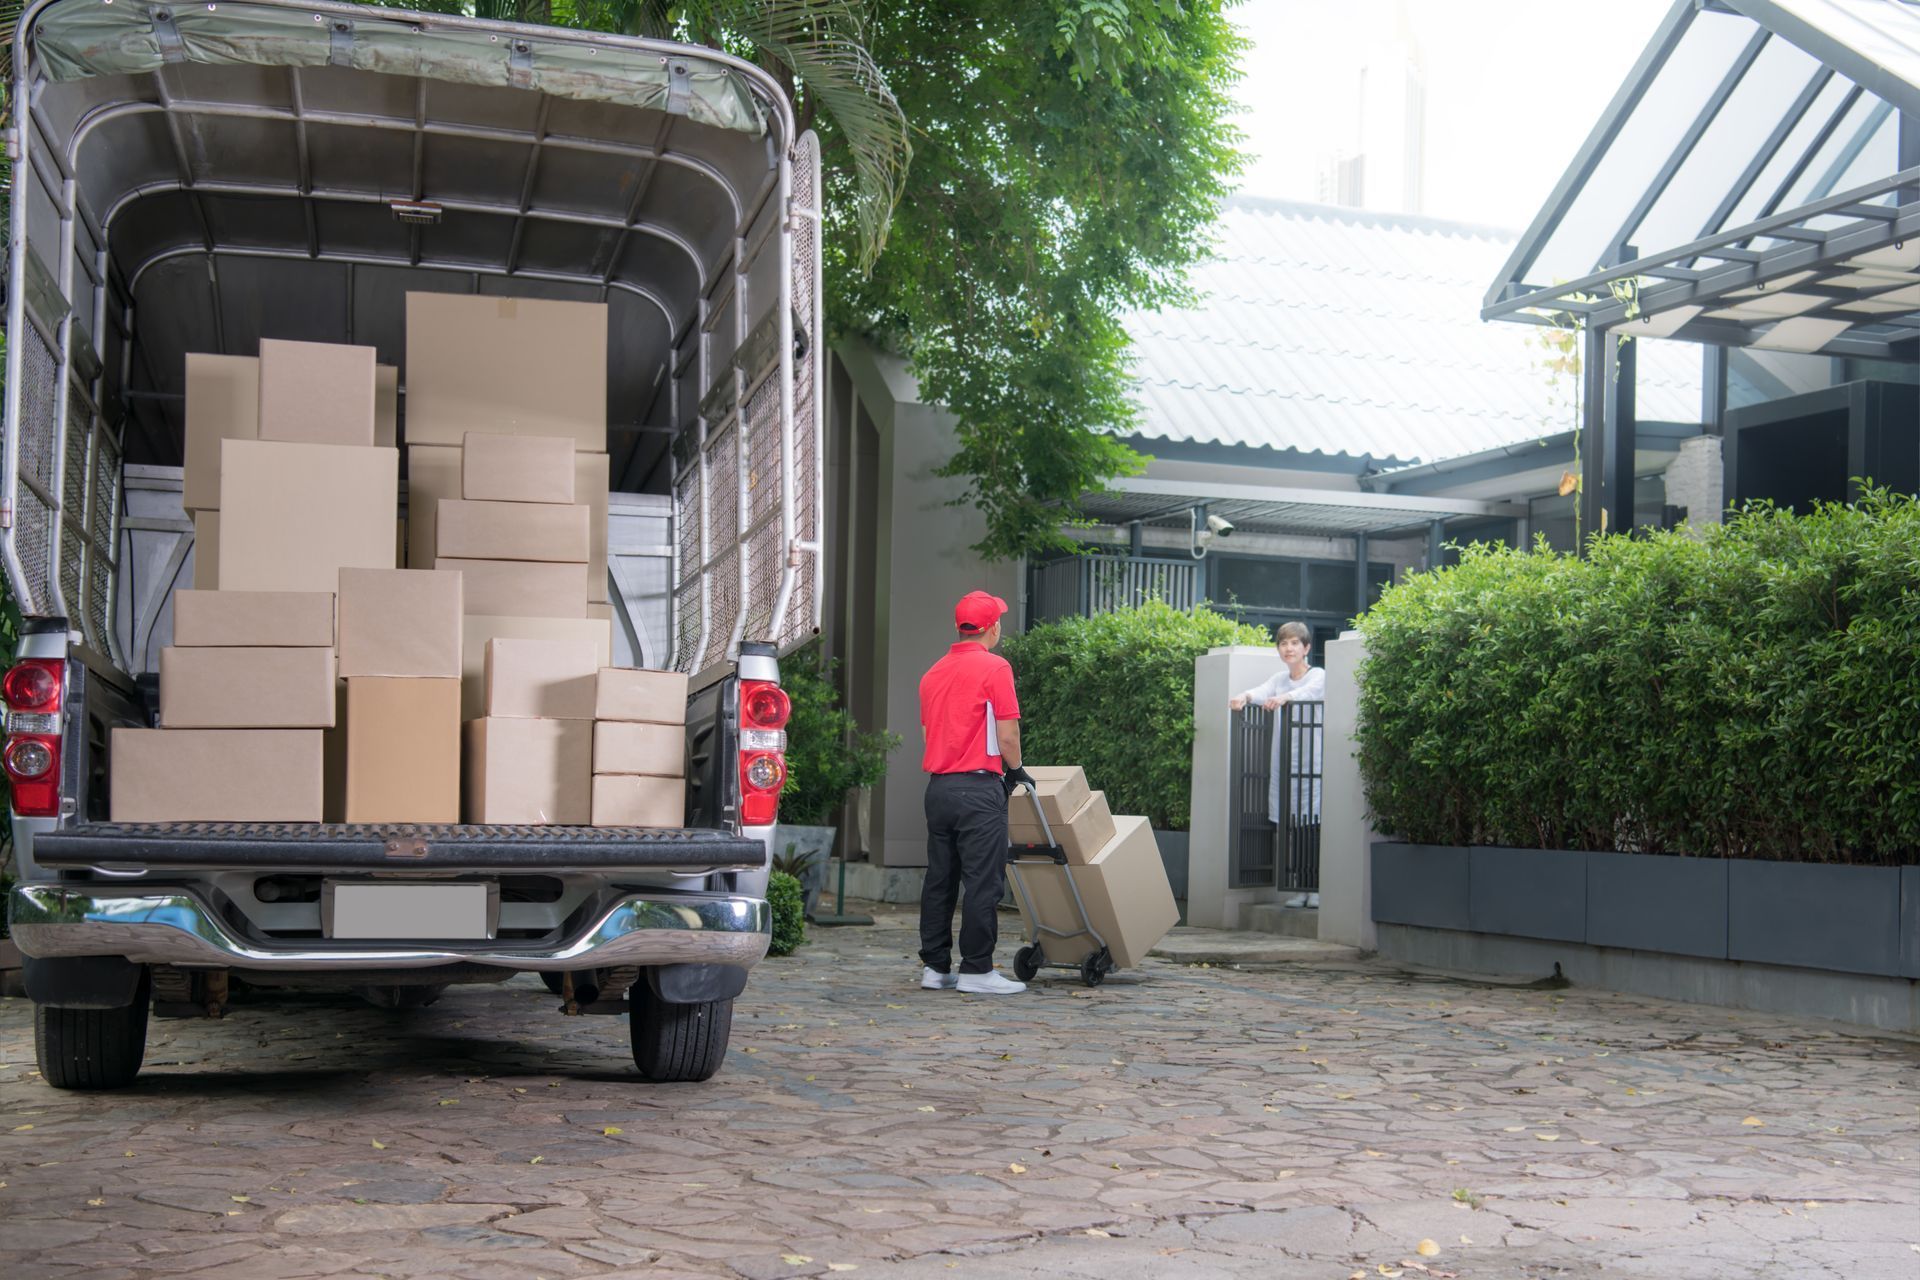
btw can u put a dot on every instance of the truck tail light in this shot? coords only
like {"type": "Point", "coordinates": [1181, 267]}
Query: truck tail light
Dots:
{"type": "Point", "coordinates": [764, 708]}
{"type": "Point", "coordinates": [33, 690]}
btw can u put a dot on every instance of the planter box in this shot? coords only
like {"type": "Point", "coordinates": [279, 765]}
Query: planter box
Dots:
{"type": "Point", "coordinates": [1652, 902]}
{"type": "Point", "coordinates": [1423, 884]}
{"type": "Point", "coordinates": [1910, 922]}
{"type": "Point", "coordinates": [1528, 893]}
{"type": "Point", "coordinates": [1173, 853]}
{"type": "Point", "coordinates": [1815, 916]}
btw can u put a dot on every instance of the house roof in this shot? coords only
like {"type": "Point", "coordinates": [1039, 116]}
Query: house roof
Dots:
{"type": "Point", "coordinates": [1345, 332]}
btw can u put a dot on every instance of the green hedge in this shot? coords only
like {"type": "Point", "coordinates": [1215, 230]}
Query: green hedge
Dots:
{"type": "Point", "coordinates": [1114, 694]}
{"type": "Point", "coordinates": [788, 902]}
{"type": "Point", "coordinates": [1753, 692]}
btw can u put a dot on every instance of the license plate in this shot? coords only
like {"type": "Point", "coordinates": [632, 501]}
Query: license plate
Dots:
{"type": "Point", "coordinates": [409, 912]}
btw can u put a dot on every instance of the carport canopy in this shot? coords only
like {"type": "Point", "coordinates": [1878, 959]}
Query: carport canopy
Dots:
{"type": "Point", "coordinates": [1326, 513]}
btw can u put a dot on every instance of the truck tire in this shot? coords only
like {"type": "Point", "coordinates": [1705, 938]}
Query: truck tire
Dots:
{"type": "Point", "coordinates": [677, 1042]}
{"type": "Point", "coordinates": [92, 1048]}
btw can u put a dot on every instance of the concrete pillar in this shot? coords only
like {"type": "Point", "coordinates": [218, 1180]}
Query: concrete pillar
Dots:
{"type": "Point", "coordinates": [1694, 480]}
{"type": "Point", "coordinates": [1218, 674]}
{"type": "Point", "coordinates": [1346, 833]}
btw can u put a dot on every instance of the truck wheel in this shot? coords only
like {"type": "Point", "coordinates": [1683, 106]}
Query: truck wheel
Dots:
{"type": "Point", "coordinates": [677, 1042]}
{"type": "Point", "coordinates": [92, 1048]}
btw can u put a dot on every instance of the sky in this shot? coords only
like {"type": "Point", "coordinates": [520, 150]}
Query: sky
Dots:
{"type": "Point", "coordinates": [1512, 88]}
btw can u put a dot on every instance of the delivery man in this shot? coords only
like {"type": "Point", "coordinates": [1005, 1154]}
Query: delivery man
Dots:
{"type": "Point", "coordinates": [971, 719]}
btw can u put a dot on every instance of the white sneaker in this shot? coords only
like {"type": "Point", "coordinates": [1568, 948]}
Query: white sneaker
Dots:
{"type": "Point", "coordinates": [989, 984]}
{"type": "Point", "coordinates": [1297, 900]}
{"type": "Point", "coordinates": [1313, 900]}
{"type": "Point", "coordinates": [938, 981]}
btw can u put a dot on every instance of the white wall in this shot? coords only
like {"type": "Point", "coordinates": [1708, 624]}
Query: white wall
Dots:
{"type": "Point", "coordinates": [1346, 834]}
{"type": "Point", "coordinates": [1696, 480]}
{"type": "Point", "coordinates": [1218, 674]}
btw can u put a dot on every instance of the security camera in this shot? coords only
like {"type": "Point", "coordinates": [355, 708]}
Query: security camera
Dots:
{"type": "Point", "coordinates": [1219, 527]}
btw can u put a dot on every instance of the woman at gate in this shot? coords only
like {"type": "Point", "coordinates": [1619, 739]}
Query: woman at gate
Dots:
{"type": "Point", "coordinates": [1294, 682]}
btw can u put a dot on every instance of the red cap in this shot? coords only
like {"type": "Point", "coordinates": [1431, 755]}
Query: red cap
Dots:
{"type": "Point", "coordinates": [978, 611]}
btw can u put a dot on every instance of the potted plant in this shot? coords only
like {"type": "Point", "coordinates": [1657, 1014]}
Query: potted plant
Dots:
{"type": "Point", "coordinates": [828, 755]}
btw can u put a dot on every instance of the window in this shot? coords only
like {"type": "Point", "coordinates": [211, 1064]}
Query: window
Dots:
{"type": "Point", "coordinates": [1260, 584]}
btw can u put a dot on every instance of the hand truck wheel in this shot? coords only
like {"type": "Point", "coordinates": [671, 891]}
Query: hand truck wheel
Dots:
{"type": "Point", "coordinates": [1093, 970]}
{"type": "Point", "coordinates": [1026, 963]}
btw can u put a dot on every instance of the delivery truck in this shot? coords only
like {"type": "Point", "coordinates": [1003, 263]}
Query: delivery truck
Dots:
{"type": "Point", "coordinates": [197, 179]}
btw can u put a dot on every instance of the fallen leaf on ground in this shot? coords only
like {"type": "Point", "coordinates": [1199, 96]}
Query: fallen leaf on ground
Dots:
{"type": "Point", "coordinates": [1375, 1154]}
{"type": "Point", "coordinates": [21, 1128]}
{"type": "Point", "coordinates": [240, 1199]}
{"type": "Point", "coordinates": [795, 1259]}
{"type": "Point", "coordinates": [1016, 1168]}
{"type": "Point", "coordinates": [1095, 1231]}
{"type": "Point", "coordinates": [536, 1160]}
{"type": "Point", "coordinates": [379, 1145]}
{"type": "Point", "coordinates": [1388, 1271]}
{"type": "Point", "coordinates": [449, 1102]}
{"type": "Point", "coordinates": [1427, 1249]}
{"type": "Point", "coordinates": [612, 1131]}
{"type": "Point", "coordinates": [1547, 1137]}
{"type": "Point", "coordinates": [923, 1108]}
{"type": "Point", "coordinates": [1754, 1122]}
{"type": "Point", "coordinates": [91, 1204]}
{"type": "Point", "coordinates": [843, 1266]}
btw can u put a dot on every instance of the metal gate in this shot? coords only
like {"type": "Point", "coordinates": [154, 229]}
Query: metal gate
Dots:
{"type": "Point", "coordinates": [1266, 853]}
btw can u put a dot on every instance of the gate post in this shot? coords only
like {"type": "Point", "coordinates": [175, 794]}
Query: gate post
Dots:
{"type": "Point", "coordinates": [1346, 832]}
{"type": "Point", "coordinates": [1218, 674]}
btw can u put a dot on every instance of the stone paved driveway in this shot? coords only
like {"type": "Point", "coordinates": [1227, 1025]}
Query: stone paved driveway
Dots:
{"type": "Point", "coordinates": [1178, 1122]}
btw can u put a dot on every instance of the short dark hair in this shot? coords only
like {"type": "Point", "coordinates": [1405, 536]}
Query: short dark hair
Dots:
{"type": "Point", "coordinates": [1293, 631]}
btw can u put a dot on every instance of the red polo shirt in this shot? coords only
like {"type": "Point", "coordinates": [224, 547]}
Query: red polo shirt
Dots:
{"type": "Point", "coordinates": [961, 697]}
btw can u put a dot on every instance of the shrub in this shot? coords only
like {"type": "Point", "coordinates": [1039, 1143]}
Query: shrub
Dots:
{"type": "Point", "coordinates": [827, 753]}
{"type": "Point", "coordinates": [788, 904]}
{"type": "Point", "coordinates": [1114, 694]}
{"type": "Point", "coordinates": [1749, 690]}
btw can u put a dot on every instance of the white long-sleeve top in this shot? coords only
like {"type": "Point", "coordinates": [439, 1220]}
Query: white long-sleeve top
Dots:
{"type": "Point", "coordinates": [1311, 687]}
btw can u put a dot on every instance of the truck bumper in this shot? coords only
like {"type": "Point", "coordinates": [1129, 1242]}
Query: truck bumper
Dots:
{"type": "Point", "coordinates": [177, 927]}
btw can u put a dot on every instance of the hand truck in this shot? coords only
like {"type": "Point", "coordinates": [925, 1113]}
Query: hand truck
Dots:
{"type": "Point", "coordinates": [1097, 963]}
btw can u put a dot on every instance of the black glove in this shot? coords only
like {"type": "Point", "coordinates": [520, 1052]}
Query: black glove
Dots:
{"type": "Point", "coordinates": [1015, 777]}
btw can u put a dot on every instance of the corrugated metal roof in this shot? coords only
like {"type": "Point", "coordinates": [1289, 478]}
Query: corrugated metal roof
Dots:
{"type": "Point", "coordinates": [1340, 331]}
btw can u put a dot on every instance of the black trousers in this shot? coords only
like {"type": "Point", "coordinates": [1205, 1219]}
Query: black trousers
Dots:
{"type": "Point", "coordinates": [966, 844]}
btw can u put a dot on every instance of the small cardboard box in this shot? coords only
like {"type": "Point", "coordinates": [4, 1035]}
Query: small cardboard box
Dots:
{"type": "Point", "coordinates": [246, 688]}
{"type": "Point", "coordinates": [252, 619]}
{"type": "Point", "coordinates": [658, 750]}
{"type": "Point", "coordinates": [433, 473]}
{"type": "Point", "coordinates": [512, 531]}
{"type": "Point", "coordinates": [633, 801]}
{"type": "Point", "coordinates": [292, 516]}
{"type": "Point", "coordinates": [529, 771]}
{"type": "Point", "coordinates": [206, 551]}
{"type": "Point", "coordinates": [523, 366]}
{"type": "Point", "coordinates": [540, 679]}
{"type": "Point", "coordinates": [386, 406]}
{"type": "Point", "coordinates": [524, 588]}
{"type": "Point", "coordinates": [400, 622]}
{"type": "Point", "coordinates": [627, 693]}
{"type": "Point", "coordinates": [1062, 790]}
{"type": "Point", "coordinates": [501, 468]}
{"type": "Point", "coordinates": [223, 403]}
{"type": "Point", "coordinates": [1125, 890]}
{"type": "Point", "coordinates": [479, 629]}
{"type": "Point", "coordinates": [1080, 837]}
{"type": "Point", "coordinates": [403, 750]}
{"type": "Point", "coordinates": [216, 775]}
{"type": "Point", "coordinates": [316, 393]}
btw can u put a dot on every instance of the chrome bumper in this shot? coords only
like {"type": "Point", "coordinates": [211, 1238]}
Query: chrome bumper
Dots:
{"type": "Point", "coordinates": [176, 927]}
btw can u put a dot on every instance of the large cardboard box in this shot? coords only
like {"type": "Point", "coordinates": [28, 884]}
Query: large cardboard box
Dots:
{"type": "Point", "coordinates": [590, 471]}
{"type": "Point", "coordinates": [386, 406]}
{"type": "Point", "coordinates": [206, 551]}
{"type": "Point", "coordinates": [223, 403]}
{"type": "Point", "coordinates": [524, 588]}
{"type": "Point", "coordinates": [433, 473]}
{"type": "Point", "coordinates": [627, 693]}
{"type": "Point", "coordinates": [1125, 890]}
{"type": "Point", "coordinates": [529, 771]}
{"type": "Point", "coordinates": [216, 775]}
{"type": "Point", "coordinates": [632, 801]}
{"type": "Point", "coordinates": [292, 516]}
{"type": "Point", "coordinates": [246, 688]}
{"type": "Point", "coordinates": [1062, 789]}
{"type": "Point", "coordinates": [541, 679]}
{"type": "Point", "coordinates": [658, 750]}
{"type": "Point", "coordinates": [524, 366]}
{"type": "Point", "coordinates": [502, 468]}
{"type": "Point", "coordinates": [403, 750]}
{"type": "Point", "coordinates": [252, 619]}
{"type": "Point", "coordinates": [478, 629]}
{"type": "Point", "coordinates": [334, 746]}
{"type": "Point", "coordinates": [511, 531]}
{"type": "Point", "coordinates": [400, 622]}
{"type": "Point", "coordinates": [1080, 837]}
{"type": "Point", "coordinates": [316, 393]}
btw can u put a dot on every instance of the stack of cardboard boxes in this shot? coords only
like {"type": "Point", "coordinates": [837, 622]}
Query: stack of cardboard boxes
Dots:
{"type": "Point", "coordinates": [639, 748]}
{"type": "Point", "coordinates": [1114, 862]}
{"type": "Point", "coordinates": [400, 636]}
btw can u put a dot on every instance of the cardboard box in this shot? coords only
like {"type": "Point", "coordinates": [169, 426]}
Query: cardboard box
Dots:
{"type": "Point", "coordinates": [590, 472]}
{"type": "Point", "coordinates": [333, 804]}
{"type": "Point", "coordinates": [386, 406]}
{"type": "Point", "coordinates": [401, 622]}
{"type": "Point", "coordinates": [316, 393]}
{"type": "Point", "coordinates": [600, 609]}
{"type": "Point", "coordinates": [523, 366]}
{"type": "Point", "coordinates": [1081, 837]}
{"type": "Point", "coordinates": [403, 750]}
{"type": "Point", "coordinates": [502, 468]}
{"type": "Point", "coordinates": [523, 588]}
{"type": "Point", "coordinates": [529, 771]}
{"type": "Point", "coordinates": [292, 516]}
{"type": "Point", "coordinates": [627, 693]}
{"type": "Point", "coordinates": [246, 688]}
{"type": "Point", "coordinates": [478, 629]}
{"type": "Point", "coordinates": [216, 775]}
{"type": "Point", "coordinates": [658, 750]}
{"type": "Point", "coordinates": [1062, 789]}
{"type": "Point", "coordinates": [1125, 890]}
{"type": "Point", "coordinates": [540, 679]}
{"type": "Point", "coordinates": [206, 551]}
{"type": "Point", "coordinates": [546, 531]}
{"type": "Point", "coordinates": [433, 473]}
{"type": "Point", "coordinates": [633, 801]}
{"type": "Point", "coordinates": [223, 403]}
{"type": "Point", "coordinates": [255, 619]}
